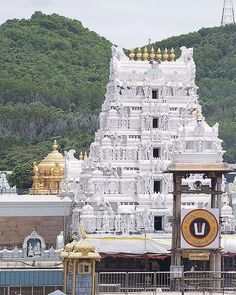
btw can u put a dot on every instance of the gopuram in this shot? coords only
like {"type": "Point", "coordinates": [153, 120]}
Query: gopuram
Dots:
{"type": "Point", "coordinates": [150, 107]}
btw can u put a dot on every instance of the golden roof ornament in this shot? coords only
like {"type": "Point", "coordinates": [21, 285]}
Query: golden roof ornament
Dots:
{"type": "Point", "coordinates": [132, 54]}
{"type": "Point", "coordinates": [139, 54]}
{"type": "Point", "coordinates": [81, 157]}
{"type": "Point", "coordinates": [159, 55]}
{"type": "Point", "coordinates": [172, 54]}
{"type": "Point", "coordinates": [145, 54]}
{"type": "Point", "coordinates": [55, 145]}
{"type": "Point", "coordinates": [85, 155]}
{"type": "Point", "coordinates": [165, 55]}
{"type": "Point", "coordinates": [198, 115]}
{"type": "Point", "coordinates": [152, 54]}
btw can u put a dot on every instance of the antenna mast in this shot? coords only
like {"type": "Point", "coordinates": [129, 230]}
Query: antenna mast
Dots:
{"type": "Point", "coordinates": [228, 13]}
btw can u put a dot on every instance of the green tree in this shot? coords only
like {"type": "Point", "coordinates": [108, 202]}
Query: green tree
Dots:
{"type": "Point", "coordinates": [22, 176]}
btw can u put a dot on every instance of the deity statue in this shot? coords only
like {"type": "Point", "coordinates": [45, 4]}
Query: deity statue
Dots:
{"type": "Point", "coordinates": [30, 251]}
{"type": "Point", "coordinates": [118, 223]}
{"type": "Point", "coordinates": [37, 249]}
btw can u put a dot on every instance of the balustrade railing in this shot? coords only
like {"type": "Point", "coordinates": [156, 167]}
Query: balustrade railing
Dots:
{"type": "Point", "coordinates": [155, 282]}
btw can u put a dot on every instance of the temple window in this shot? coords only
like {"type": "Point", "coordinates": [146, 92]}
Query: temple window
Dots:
{"type": "Point", "coordinates": [158, 223]}
{"type": "Point", "coordinates": [155, 123]}
{"type": "Point", "coordinates": [84, 268]}
{"type": "Point", "coordinates": [156, 153]}
{"type": "Point", "coordinates": [156, 186]}
{"type": "Point", "coordinates": [154, 94]}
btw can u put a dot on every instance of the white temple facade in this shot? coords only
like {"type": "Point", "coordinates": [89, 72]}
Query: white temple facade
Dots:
{"type": "Point", "coordinates": [5, 188]}
{"type": "Point", "coordinates": [149, 114]}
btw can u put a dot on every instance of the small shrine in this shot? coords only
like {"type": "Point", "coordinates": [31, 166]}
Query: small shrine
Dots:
{"type": "Point", "coordinates": [49, 173]}
{"type": "Point", "coordinates": [79, 258]}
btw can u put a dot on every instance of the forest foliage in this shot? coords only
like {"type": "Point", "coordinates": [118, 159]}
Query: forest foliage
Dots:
{"type": "Point", "coordinates": [53, 78]}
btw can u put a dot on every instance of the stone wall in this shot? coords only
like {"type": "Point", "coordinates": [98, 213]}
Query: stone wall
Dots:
{"type": "Point", "coordinates": [13, 230]}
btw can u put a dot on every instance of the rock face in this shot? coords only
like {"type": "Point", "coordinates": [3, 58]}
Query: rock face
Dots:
{"type": "Point", "coordinates": [149, 113]}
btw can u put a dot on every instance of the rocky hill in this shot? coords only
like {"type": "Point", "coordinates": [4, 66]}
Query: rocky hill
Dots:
{"type": "Point", "coordinates": [53, 79]}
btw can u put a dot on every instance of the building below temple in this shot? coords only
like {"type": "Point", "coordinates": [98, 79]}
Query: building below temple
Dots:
{"type": "Point", "coordinates": [34, 227]}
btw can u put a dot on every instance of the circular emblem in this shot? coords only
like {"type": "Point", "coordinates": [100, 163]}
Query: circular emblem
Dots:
{"type": "Point", "coordinates": [199, 228]}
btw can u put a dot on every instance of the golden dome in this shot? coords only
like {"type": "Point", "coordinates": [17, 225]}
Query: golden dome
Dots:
{"type": "Point", "coordinates": [52, 158]}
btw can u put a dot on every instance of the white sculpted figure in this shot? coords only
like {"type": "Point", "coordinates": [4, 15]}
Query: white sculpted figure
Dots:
{"type": "Point", "coordinates": [118, 53]}
{"type": "Point", "coordinates": [118, 223]}
{"type": "Point", "coordinates": [106, 222]}
{"type": "Point", "coordinates": [30, 251]}
{"type": "Point", "coordinates": [187, 58]}
{"type": "Point", "coordinates": [37, 249]}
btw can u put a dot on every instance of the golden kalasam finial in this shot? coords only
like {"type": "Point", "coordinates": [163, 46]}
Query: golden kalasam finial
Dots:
{"type": "Point", "coordinates": [198, 115]}
{"type": "Point", "coordinates": [55, 145]}
{"type": "Point", "coordinates": [159, 55]}
{"type": "Point", "coordinates": [81, 157]}
{"type": "Point", "coordinates": [172, 54]}
{"type": "Point", "coordinates": [139, 54]}
{"type": "Point", "coordinates": [145, 54]}
{"type": "Point", "coordinates": [152, 54]}
{"type": "Point", "coordinates": [165, 55]}
{"type": "Point", "coordinates": [132, 54]}
{"type": "Point", "coordinates": [85, 155]}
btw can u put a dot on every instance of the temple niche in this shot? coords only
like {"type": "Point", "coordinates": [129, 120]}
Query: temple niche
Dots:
{"type": "Point", "coordinates": [33, 246]}
{"type": "Point", "coordinates": [49, 173]}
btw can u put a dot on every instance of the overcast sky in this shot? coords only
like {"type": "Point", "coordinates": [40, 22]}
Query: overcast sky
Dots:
{"type": "Point", "coordinates": [128, 23]}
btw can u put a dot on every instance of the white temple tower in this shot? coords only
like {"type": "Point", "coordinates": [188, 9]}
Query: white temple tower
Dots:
{"type": "Point", "coordinates": [122, 187]}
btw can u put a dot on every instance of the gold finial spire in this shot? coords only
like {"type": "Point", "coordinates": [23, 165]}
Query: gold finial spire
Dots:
{"type": "Point", "coordinates": [152, 54]}
{"type": "Point", "coordinates": [85, 155]}
{"type": "Point", "coordinates": [159, 55]}
{"type": "Point", "coordinates": [81, 157]}
{"type": "Point", "coordinates": [166, 55]}
{"type": "Point", "coordinates": [55, 145]}
{"type": "Point", "coordinates": [132, 54]}
{"type": "Point", "coordinates": [145, 54]}
{"type": "Point", "coordinates": [139, 54]}
{"type": "Point", "coordinates": [172, 54]}
{"type": "Point", "coordinates": [198, 115]}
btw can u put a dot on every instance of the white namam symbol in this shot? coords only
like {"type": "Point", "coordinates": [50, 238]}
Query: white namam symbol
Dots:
{"type": "Point", "coordinates": [199, 229]}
